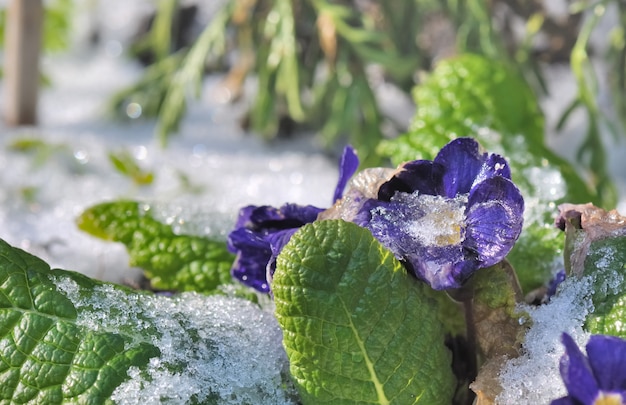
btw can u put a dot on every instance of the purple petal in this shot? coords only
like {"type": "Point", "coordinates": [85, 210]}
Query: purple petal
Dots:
{"type": "Point", "coordinates": [277, 242]}
{"type": "Point", "coordinates": [576, 373]}
{"type": "Point", "coordinates": [495, 165]}
{"type": "Point", "coordinates": [364, 216]}
{"type": "Point", "coordinates": [294, 215]}
{"type": "Point", "coordinates": [264, 214]}
{"type": "Point", "coordinates": [607, 357]}
{"type": "Point", "coordinates": [347, 167]}
{"type": "Point", "coordinates": [494, 219]}
{"type": "Point", "coordinates": [243, 218]}
{"type": "Point", "coordinates": [253, 254]}
{"type": "Point", "coordinates": [463, 160]}
{"type": "Point", "coordinates": [565, 401]}
{"type": "Point", "coordinates": [554, 283]}
{"type": "Point", "coordinates": [419, 175]}
{"type": "Point", "coordinates": [266, 218]}
{"type": "Point", "coordinates": [442, 268]}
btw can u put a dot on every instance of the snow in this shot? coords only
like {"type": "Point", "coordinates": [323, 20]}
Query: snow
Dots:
{"type": "Point", "coordinates": [534, 377]}
{"type": "Point", "coordinates": [441, 221]}
{"type": "Point", "coordinates": [205, 346]}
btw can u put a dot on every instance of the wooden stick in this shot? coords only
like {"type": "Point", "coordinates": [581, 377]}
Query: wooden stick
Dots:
{"type": "Point", "coordinates": [21, 69]}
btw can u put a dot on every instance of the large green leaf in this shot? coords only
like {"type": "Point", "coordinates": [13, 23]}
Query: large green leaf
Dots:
{"type": "Point", "coordinates": [65, 338]}
{"type": "Point", "coordinates": [357, 328]}
{"type": "Point", "coordinates": [478, 97]}
{"type": "Point", "coordinates": [606, 261]}
{"type": "Point", "coordinates": [171, 261]}
{"type": "Point", "coordinates": [596, 250]}
{"type": "Point", "coordinates": [46, 356]}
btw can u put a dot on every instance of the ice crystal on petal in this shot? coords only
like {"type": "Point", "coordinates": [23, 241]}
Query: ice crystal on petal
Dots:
{"type": "Point", "coordinates": [440, 220]}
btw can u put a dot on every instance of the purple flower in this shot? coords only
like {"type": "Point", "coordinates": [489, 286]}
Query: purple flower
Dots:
{"type": "Point", "coordinates": [554, 283]}
{"type": "Point", "coordinates": [448, 217]}
{"type": "Point", "coordinates": [262, 231]}
{"type": "Point", "coordinates": [598, 378]}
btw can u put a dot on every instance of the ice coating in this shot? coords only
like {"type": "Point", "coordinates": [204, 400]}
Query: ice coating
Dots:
{"type": "Point", "coordinates": [432, 220]}
{"type": "Point", "coordinates": [534, 377]}
{"type": "Point", "coordinates": [219, 346]}
{"type": "Point", "coordinates": [442, 220]}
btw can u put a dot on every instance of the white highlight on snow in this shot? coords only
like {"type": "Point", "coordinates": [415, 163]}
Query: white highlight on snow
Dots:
{"type": "Point", "coordinates": [534, 377]}
{"type": "Point", "coordinates": [441, 220]}
{"type": "Point", "coordinates": [223, 347]}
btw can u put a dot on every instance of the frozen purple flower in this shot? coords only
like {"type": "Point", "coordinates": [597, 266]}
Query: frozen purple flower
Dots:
{"type": "Point", "coordinates": [262, 231]}
{"type": "Point", "coordinates": [598, 378]}
{"type": "Point", "coordinates": [448, 217]}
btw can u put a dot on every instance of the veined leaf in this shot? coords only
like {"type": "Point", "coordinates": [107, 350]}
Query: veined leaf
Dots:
{"type": "Point", "coordinates": [65, 338]}
{"type": "Point", "coordinates": [46, 355]}
{"type": "Point", "coordinates": [171, 261]}
{"type": "Point", "coordinates": [357, 328]}
{"type": "Point", "coordinates": [607, 262]}
{"type": "Point", "coordinates": [596, 248]}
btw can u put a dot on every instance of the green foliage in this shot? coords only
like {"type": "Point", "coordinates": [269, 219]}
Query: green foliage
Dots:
{"type": "Point", "coordinates": [356, 327]}
{"type": "Point", "coordinates": [606, 262]}
{"type": "Point", "coordinates": [47, 355]}
{"type": "Point", "coordinates": [474, 96]}
{"type": "Point", "coordinates": [56, 25]}
{"type": "Point", "coordinates": [126, 164]}
{"type": "Point", "coordinates": [591, 152]}
{"type": "Point", "coordinates": [41, 150]}
{"type": "Point", "coordinates": [171, 261]}
{"type": "Point", "coordinates": [65, 338]}
{"type": "Point", "coordinates": [310, 59]}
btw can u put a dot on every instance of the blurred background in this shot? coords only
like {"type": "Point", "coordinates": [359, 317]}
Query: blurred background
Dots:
{"type": "Point", "coordinates": [343, 71]}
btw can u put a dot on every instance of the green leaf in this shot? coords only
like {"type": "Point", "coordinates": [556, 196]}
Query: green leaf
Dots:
{"type": "Point", "coordinates": [356, 327]}
{"type": "Point", "coordinates": [596, 251]}
{"type": "Point", "coordinates": [127, 165]}
{"type": "Point", "coordinates": [171, 261]}
{"type": "Point", "coordinates": [65, 338]}
{"type": "Point", "coordinates": [46, 355]}
{"type": "Point", "coordinates": [478, 97]}
{"type": "Point", "coordinates": [606, 260]}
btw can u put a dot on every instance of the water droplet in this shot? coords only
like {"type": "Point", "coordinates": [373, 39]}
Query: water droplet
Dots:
{"type": "Point", "coordinates": [133, 110]}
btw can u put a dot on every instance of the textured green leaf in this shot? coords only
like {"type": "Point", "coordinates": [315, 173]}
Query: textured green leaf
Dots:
{"type": "Point", "coordinates": [477, 97]}
{"type": "Point", "coordinates": [606, 262]}
{"type": "Point", "coordinates": [65, 338]}
{"type": "Point", "coordinates": [356, 327]}
{"type": "Point", "coordinates": [46, 357]}
{"type": "Point", "coordinates": [171, 261]}
{"type": "Point", "coordinates": [596, 250]}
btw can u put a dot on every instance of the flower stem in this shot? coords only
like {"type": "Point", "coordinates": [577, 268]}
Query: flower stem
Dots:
{"type": "Point", "coordinates": [465, 296]}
